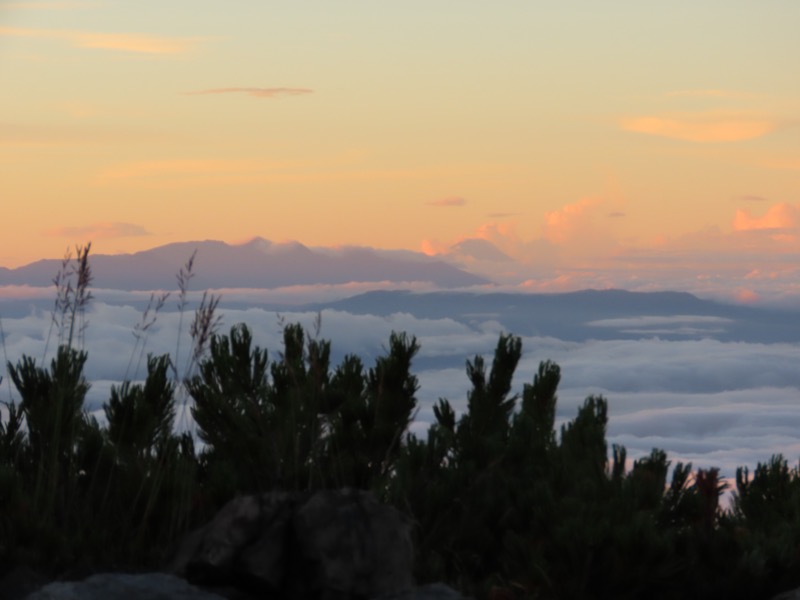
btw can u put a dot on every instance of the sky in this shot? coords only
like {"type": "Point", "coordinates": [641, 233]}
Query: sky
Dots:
{"type": "Point", "coordinates": [621, 138]}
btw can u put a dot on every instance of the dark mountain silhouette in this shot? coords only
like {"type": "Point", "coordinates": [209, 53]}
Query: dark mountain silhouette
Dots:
{"type": "Point", "coordinates": [259, 263]}
{"type": "Point", "coordinates": [586, 314]}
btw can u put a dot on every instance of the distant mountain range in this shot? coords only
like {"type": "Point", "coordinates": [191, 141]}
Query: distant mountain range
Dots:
{"type": "Point", "coordinates": [258, 263]}
{"type": "Point", "coordinates": [586, 314]}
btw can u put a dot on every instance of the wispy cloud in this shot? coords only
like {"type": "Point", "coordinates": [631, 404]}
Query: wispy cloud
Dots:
{"type": "Point", "coordinates": [502, 215]}
{"type": "Point", "coordinates": [453, 201]}
{"type": "Point", "coordinates": [616, 214]}
{"type": "Point", "coordinates": [750, 198]}
{"type": "Point", "coordinates": [120, 42]}
{"type": "Point", "coordinates": [715, 126]}
{"type": "Point", "coordinates": [703, 94]}
{"type": "Point", "coordinates": [98, 231]}
{"type": "Point", "coordinates": [271, 92]}
{"type": "Point", "coordinates": [52, 5]}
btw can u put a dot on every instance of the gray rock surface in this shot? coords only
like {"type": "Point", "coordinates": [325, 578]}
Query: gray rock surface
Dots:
{"type": "Point", "coordinates": [20, 582]}
{"type": "Point", "coordinates": [436, 591]}
{"type": "Point", "coordinates": [121, 586]}
{"type": "Point", "coordinates": [340, 543]}
{"type": "Point", "coordinates": [350, 544]}
{"type": "Point", "coordinates": [337, 544]}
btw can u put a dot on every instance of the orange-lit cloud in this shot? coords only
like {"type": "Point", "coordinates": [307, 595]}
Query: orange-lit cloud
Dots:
{"type": "Point", "coordinates": [573, 221]}
{"type": "Point", "coordinates": [432, 247]}
{"type": "Point", "coordinates": [716, 126]}
{"type": "Point", "coordinates": [778, 216]}
{"type": "Point", "coordinates": [254, 91]}
{"type": "Point", "coordinates": [580, 230]}
{"type": "Point", "coordinates": [454, 201]}
{"type": "Point", "coordinates": [747, 296]}
{"type": "Point", "coordinates": [121, 42]}
{"type": "Point", "coordinates": [98, 231]}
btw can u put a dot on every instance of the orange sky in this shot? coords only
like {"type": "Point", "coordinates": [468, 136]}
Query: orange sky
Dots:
{"type": "Point", "coordinates": [585, 134]}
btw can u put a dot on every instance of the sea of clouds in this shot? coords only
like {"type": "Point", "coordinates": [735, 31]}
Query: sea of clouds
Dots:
{"type": "Point", "coordinates": [711, 403]}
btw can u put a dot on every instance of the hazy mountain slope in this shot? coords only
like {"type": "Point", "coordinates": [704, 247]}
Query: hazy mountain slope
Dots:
{"type": "Point", "coordinates": [256, 264]}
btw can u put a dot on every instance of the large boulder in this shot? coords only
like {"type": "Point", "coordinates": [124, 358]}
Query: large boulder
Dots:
{"type": "Point", "coordinates": [350, 545]}
{"type": "Point", "coordinates": [245, 544]}
{"type": "Point", "coordinates": [331, 544]}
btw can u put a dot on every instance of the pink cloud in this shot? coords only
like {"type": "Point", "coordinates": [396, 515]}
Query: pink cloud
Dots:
{"type": "Point", "coordinates": [433, 247]}
{"type": "Point", "coordinates": [747, 296]}
{"type": "Point", "coordinates": [580, 221]}
{"type": "Point", "coordinates": [778, 216]}
{"type": "Point", "coordinates": [272, 92]}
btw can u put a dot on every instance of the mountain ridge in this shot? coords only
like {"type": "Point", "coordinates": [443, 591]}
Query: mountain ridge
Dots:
{"type": "Point", "coordinates": [258, 263]}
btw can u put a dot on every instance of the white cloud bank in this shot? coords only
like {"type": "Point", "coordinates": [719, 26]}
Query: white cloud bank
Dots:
{"type": "Point", "coordinates": [705, 401]}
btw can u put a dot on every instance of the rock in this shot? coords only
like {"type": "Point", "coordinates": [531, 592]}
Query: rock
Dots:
{"type": "Point", "coordinates": [331, 544]}
{"type": "Point", "coordinates": [350, 544]}
{"type": "Point", "coordinates": [246, 539]}
{"type": "Point", "coordinates": [436, 591]}
{"type": "Point", "coordinates": [20, 582]}
{"type": "Point", "coordinates": [120, 586]}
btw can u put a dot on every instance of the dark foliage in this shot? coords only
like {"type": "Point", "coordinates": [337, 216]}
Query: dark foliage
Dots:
{"type": "Point", "coordinates": [503, 503]}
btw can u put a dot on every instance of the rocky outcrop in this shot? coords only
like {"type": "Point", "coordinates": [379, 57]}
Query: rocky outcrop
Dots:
{"type": "Point", "coordinates": [332, 544]}
{"type": "Point", "coordinates": [160, 586]}
{"type": "Point", "coordinates": [120, 586]}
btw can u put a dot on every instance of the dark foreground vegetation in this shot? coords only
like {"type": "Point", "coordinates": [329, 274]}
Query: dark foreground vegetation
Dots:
{"type": "Point", "coordinates": [499, 498]}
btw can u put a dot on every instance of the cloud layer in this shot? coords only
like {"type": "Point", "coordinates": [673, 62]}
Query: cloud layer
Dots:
{"type": "Point", "coordinates": [704, 401]}
{"type": "Point", "coordinates": [122, 42]}
{"type": "Point", "coordinates": [582, 245]}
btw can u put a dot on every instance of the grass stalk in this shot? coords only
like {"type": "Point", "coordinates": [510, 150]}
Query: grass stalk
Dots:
{"type": "Point", "coordinates": [142, 330]}
{"type": "Point", "coordinates": [184, 276]}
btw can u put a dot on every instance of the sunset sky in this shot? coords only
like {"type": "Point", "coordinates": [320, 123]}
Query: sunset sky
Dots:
{"type": "Point", "coordinates": [620, 136]}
